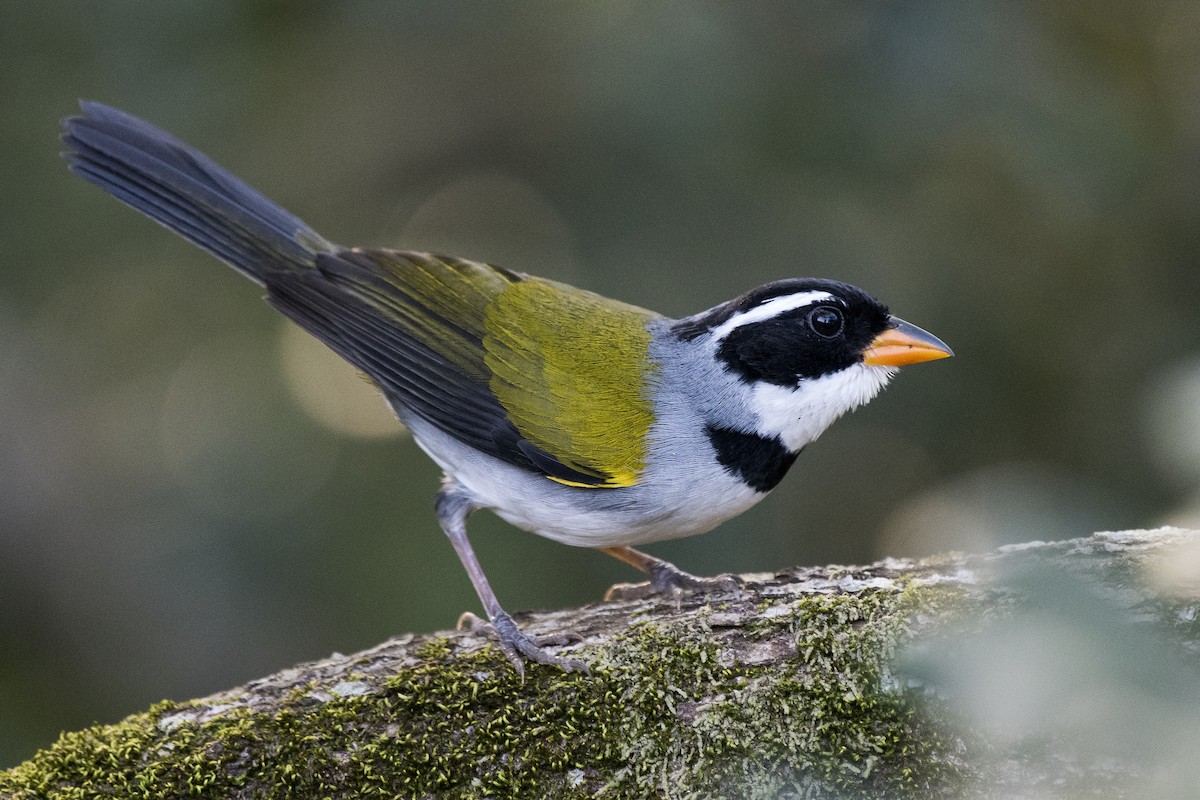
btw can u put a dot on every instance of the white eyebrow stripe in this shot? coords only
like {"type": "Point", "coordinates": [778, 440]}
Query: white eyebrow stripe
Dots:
{"type": "Point", "coordinates": [772, 308]}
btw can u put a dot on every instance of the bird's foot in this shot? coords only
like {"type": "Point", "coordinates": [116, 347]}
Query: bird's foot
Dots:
{"type": "Point", "coordinates": [519, 647]}
{"type": "Point", "coordinates": [668, 579]}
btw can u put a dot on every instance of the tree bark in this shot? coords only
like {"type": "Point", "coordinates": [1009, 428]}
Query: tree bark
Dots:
{"type": "Point", "coordinates": [1060, 669]}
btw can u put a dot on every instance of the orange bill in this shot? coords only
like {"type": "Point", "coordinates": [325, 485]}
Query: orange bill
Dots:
{"type": "Point", "coordinates": [902, 344]}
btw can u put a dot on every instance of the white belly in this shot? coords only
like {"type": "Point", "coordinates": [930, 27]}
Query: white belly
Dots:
{"type": "Point", "coordinates": [664, 505]}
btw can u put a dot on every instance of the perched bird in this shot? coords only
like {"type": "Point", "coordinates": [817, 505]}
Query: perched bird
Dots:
{"type": "Point", "coordinates": [570, 415]}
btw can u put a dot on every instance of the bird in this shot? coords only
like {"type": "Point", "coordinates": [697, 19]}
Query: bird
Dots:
{"type": "Point", "coordinates": [574, 416]}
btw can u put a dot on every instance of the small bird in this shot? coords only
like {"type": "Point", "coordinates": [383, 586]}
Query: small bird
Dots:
{"type": "Point", "coordinates": [570, 415]}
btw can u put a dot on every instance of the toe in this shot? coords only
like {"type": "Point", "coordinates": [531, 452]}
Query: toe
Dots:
{"type": "Point", "coordinates": [519, 648]}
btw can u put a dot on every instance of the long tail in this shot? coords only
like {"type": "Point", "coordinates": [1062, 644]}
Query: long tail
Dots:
{"type": "Point", "coordinates": [187, 192]}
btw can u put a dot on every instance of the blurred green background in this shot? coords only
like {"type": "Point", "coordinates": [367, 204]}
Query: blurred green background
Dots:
{"type": "Point", "coordinates": [192, 496]}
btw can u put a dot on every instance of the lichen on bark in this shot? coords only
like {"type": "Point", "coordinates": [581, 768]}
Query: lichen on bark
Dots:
{"type": "Point", "coordinates": [793, 687]}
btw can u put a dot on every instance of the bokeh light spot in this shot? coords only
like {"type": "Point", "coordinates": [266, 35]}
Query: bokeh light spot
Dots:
{"type": "Point", "coordinates": [228, 439]}
{"type": "Point", "coordinates": [1172, 421]}
{"type": "Point", "coordinates": [999, 504]}
{"type": "Point", "coordinates": [497, 218]}
{"type": "Point", "coordinates": [331, 390]}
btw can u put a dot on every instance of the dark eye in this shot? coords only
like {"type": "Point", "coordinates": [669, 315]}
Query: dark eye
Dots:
{"type": "Point", "coordinates": [825, 321]}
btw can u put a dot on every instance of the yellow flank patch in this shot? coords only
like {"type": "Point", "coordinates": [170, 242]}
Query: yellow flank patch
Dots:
{"type": "Point", "coordinates": [572, 370]}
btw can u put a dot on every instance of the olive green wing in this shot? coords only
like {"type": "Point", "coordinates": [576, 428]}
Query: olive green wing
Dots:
{"type": "Point", "coordinates": [544, 376]}
{"type": "Point", "coordinates": [572, 371]}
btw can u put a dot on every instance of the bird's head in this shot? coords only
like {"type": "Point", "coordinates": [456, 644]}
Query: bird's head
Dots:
{"type": "Point", "coordinates": [809, 350]}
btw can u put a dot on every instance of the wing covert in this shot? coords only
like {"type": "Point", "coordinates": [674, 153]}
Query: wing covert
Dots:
{"type": "Point", "coordinates": [530, 371]}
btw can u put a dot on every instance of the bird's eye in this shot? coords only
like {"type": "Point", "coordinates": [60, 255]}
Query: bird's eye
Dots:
{"type": "Point", "coordinates": [825, 321]}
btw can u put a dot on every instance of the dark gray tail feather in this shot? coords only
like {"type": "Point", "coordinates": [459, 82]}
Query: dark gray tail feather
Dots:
{"type": "Point", "coordinates": [186, 191]}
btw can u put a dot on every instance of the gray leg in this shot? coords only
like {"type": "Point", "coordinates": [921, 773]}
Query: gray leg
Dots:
{"type": "Point", "coordinates": [665, 577]}
{"type": "Point", "coordinates": [454, 505]}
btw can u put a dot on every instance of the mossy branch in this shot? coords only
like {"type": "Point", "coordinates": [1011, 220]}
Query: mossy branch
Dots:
{"type": "Point", "coordinates": [832, 682]}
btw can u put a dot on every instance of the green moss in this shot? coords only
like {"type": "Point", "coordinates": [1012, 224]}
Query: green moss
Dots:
{"type": "Point", "coordinates": [825, 724]}
{"type": "Point", "coordinates": [434, 648]}
{"type": "Point", "coordinates": [666, 712]}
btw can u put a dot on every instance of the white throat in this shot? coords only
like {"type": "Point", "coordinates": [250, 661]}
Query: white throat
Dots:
{"type": "Point", "coordinates": [798, 415]}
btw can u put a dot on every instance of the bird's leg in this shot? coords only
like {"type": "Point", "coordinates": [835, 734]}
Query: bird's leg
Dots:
{"type": "Point", "coordinates": [454, 505]}
{"type": "Point", "coordinates": [665, 577]}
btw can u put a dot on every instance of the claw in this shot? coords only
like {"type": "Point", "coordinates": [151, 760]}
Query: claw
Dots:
{"type": "Point", "coordinates": [667, 579]}
{"type": "Point", "coordinates": [519, 647]}
{"type": "Point", "coordinates": [455, 503]}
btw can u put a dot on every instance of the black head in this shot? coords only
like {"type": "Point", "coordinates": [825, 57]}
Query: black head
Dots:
{"type": "Point", "coordinates": [791, 330]}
